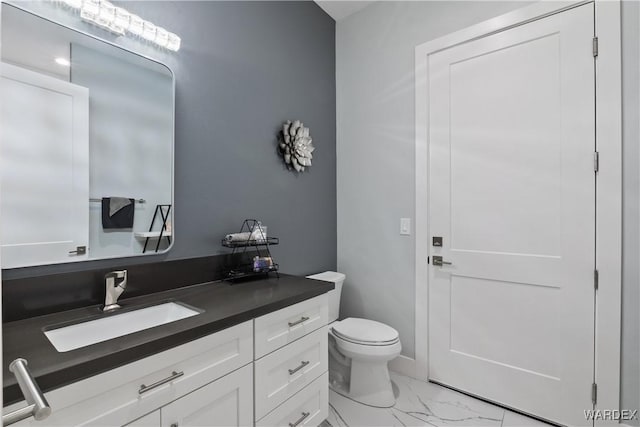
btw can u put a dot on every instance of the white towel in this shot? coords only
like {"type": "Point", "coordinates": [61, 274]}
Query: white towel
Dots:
{"type": "Point", "coordinates": [238, 237]}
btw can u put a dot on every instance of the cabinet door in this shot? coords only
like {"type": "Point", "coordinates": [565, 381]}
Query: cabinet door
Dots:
{"type": "Point", "coordinates": [225, 402]}
{"type": "Point", "coordinates": [149, 420]}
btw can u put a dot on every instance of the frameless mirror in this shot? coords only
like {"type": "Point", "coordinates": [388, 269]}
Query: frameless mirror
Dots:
{"type": "Point", "coordinates": [86, 146]}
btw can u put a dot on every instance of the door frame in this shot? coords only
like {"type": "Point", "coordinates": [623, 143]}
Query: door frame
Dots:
{"type": "Point", "coordinates": [609, 182]}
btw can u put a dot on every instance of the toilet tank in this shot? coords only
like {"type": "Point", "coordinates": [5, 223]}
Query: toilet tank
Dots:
{"type": "Point", "coordinates": [334, 295]}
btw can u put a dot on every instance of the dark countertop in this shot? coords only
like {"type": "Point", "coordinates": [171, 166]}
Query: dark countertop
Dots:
{"type": "Point", "coordinates": [224, 306]}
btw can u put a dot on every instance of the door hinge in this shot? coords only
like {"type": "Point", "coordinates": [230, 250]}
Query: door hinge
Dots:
{"type": "Point", "coordinates": [596, 161]}
{"type": "Point", "coordinates": [596, 279]}
{"type": "Point", "coordinates": [595, 47]}
{"type": "Point", "coordinates": [594, 393]}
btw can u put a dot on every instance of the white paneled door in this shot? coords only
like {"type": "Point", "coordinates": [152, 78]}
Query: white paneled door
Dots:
{"type": "Point", "coordinates": [512, 195]}
{"type": "Point", "coordinates": [44, 167]}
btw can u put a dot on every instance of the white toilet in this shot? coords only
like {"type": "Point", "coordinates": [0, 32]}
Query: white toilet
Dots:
{"type": "Point", "coordinates": [359, 350]}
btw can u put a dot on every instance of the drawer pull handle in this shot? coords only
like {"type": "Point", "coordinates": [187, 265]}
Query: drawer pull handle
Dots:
{"type": "Point", "coordinates": [302, 365]}
{"type": "Point", "coordinates": [173, 376]}
{"type": "Point", "coordinates": [299, 420]}
{"type": "Point", "coordinates": [297, 322]}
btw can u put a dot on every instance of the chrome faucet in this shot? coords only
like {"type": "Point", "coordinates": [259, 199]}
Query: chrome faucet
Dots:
{"type": "Point", "coordinates": [115, 282]}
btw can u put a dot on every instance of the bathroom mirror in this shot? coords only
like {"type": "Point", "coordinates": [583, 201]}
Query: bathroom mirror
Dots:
{"type": "Point", "coordinates": [86, 146]}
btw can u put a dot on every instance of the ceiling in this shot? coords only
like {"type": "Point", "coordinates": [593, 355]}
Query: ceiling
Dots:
{"type": "Point", "coordinates": [340, 9]}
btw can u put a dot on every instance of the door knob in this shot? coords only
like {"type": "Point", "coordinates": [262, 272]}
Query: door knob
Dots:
{"type": "Point", "coordinates": [439, 262]}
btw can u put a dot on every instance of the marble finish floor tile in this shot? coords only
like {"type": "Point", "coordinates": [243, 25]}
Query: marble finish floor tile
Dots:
{"type": "Point", "coordinates": [420, 403]}
{"type": "Point", "coordinates": [514, 419]}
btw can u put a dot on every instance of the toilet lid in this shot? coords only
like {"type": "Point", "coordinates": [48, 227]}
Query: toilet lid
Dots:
{"type": "Point", "coordinates": [364, 331]}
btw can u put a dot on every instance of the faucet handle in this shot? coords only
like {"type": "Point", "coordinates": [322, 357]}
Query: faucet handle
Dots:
{"type": "Point", "coordinates": [118, 274]}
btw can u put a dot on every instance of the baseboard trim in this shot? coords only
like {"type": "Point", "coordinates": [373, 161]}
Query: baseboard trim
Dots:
{"type": "Point", "coordinates": [404, 365]}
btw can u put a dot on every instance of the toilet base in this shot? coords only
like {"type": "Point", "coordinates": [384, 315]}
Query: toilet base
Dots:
{"type": "Point", "coordinates": [371, 385]}
{"type": "Point", "coordinates": [363, 382]}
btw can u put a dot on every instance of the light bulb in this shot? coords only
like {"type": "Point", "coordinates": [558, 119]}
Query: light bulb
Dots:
{"type": "Point", "coordinates": [107, 13]}
{"type": "Point", "coordinates": [149, 31]}
{"type": "Point", "coordinates": [74, 4]}
{"type": "Point", "coordinates": [136, 25]}
{"type": "Point", "coordinates": [122, 18]}
{"type": "Point", "coordinates": [90, 9]}
{"type": "Point", "coordinates": [174, 42]}
{"type": "Point", "coordinates": [162, 37]}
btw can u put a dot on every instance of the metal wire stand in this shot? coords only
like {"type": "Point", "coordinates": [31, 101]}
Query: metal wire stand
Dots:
{"type": "Point", "coordinates": [246, 270]}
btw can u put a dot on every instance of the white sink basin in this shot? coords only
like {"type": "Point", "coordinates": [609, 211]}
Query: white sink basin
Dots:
{"type": "Point", "coordinates": [94, 331]}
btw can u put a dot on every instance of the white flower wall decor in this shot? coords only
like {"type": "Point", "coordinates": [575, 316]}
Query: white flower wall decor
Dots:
{"type": "Point", "coordinates": [295, 145]}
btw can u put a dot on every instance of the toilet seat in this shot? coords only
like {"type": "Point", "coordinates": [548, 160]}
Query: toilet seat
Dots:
{"type": "Point", "coordinates": [365, 332]}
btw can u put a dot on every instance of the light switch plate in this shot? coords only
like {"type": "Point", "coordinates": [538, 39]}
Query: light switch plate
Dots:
{"type": "Point", "coordinates": [405, 226]}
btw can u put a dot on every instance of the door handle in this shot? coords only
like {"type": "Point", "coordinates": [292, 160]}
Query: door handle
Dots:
{"type": "Point", "coordinates": [438, 261]}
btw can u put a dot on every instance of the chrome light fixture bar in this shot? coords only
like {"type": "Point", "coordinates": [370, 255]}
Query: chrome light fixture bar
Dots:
{"type": "Point", "coordinates": [119, 21]}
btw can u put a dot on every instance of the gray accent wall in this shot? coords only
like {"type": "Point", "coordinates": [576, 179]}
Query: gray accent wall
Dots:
{"type": "Point", "coordinates": [375, 107]}
{"type": "Point", "coordinates": [243, 69]}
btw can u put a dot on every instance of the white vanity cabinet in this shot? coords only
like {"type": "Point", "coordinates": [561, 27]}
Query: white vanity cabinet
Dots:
{"type": "Point", "coordinates": [217, 380]}
{"type": "Point", "coordinates": [225, 402]}
{"type": "Point", "coordinates": [149, 420]}
{"type": "Point", "coordinates": [292, 360]}
{"type": "Point", "coordinates": [121, 395]}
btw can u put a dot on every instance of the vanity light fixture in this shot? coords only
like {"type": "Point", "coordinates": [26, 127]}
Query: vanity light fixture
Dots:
{"type": "Point", "coordinates": [119, 21]}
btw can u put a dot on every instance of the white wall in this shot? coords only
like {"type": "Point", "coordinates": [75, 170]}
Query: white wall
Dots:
{"type": "Point", "coordinates": [375, 161]}
{"type": "Point", "coordinates": [375, 150]}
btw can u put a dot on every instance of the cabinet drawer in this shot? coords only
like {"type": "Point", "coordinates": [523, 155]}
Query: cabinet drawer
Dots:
{"type": "Point", "coordinates": [226, 402]}
{"type": "Point", "coordinates": [281, 327]}
{"type": "Point", "coordinates": [288, 370]}
{"type": "Point", "coordinates": [308, 407]}
{"type": "Point", "coordinates": [114, 398]}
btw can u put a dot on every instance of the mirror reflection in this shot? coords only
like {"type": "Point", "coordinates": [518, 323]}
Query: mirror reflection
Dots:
{"type": "Point", "coordinates": [86, 146]}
